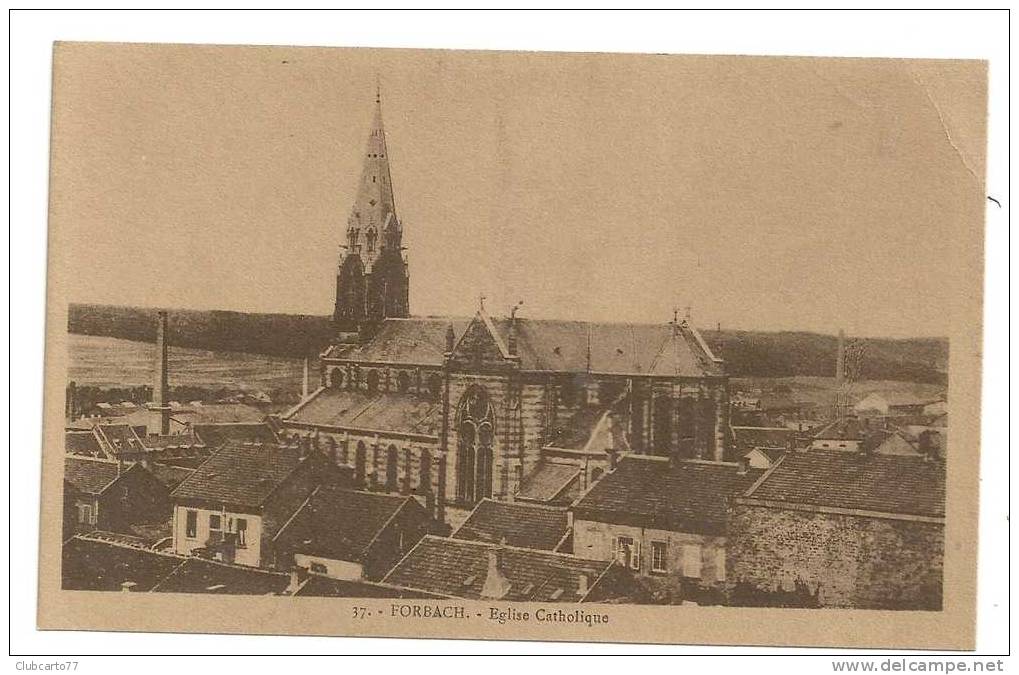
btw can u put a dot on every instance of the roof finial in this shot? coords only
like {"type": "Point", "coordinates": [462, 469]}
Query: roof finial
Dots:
{"type": "Point", "coordinates": [481, 302]}
{"type": "Point", "coordinates": [378, 89]}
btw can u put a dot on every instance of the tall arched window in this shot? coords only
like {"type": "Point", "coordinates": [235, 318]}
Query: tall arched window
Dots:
{"type": "Point", "coordinates": [402, 382]}
{"type": "Point", "coordinates": [360, 463]}
{"type": "Point", "coordinates": [373, 381]}
{"type": "Point", "coordinates": [475, 436]}
{"type": "Point", "coordinates": [336, 378]}
{"type": "Point", "coordinates": [392, 466]}
{"type": "Point", "coordinates": [425, 472]}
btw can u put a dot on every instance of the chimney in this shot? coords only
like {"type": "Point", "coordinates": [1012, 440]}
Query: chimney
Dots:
{"type": "Point", "coordinates": [613, 458]}
{"type": "Point", "coordinates": [496, 584]}
{"type": "Point", "coordinates": [298, 575]}
{"type": "Point", "coordinates": [450, 338]}
{"type": "Point", "coordinates": [127, 586]}
{"type": "Point", "coordinates": [72, 400]}
{"type": "Point", "coordinates": [304, 382]}
{"type": "Point", "coordinates": [160, 387]}
{"type": "Point", "coordinates": [582, 585]}
{"type": "Point", "coordinates": [840, 360]}
{"type": "Point", "coordinates": [511, 339]}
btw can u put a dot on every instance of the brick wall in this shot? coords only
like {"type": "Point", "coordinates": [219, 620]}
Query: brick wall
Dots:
{"type": "Point", "coordinates": [848, 560]}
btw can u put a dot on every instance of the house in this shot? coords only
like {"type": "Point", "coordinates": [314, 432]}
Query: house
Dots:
{"type": "Point", "coordinates": [664, 520]}
{"type": "Point", "coordinates": [315, 585]}
{"type": "Point", "coordinates": [196, 575]}
{"type": "Point", "coordinates": [895, 442]}
{"type": "Point", "coordinates": [891, 403]}
{"type": "Point", "coordinates": [100, 561]}
{"type": "Point", "coordinates": [847, 434]}
{"type": "Point", "coordinates": [103, 495]}
{"type": "Point", "coordinates": [520, 524]}
{"type": "Point", "coordinates": [94, 564]}
{"type": "Point", "coordinates": [761, 446]}
{"type": "Point", "coordinates": [125, 443]}
{"type": "Point", "coordinates": [857, 529]}
{"type": "Point", "coordinates": [350, 534]}
{"type": "Point", "coordinates": [763, 457]}
{"type": "Point", "coordinates": [475, 570]}
{"type": "Point", "coordinates": [233, 505]}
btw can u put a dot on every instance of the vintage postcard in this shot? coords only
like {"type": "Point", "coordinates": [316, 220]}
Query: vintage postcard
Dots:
{"type": "Point", "coordinates": [549, 346]}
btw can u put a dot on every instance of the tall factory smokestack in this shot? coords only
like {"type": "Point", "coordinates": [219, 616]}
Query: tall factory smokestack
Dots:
{"type": "Point", "coordinates": [160, 388]}
{"type": "Point", "coordinates": [840, 399]}
{"type": "Point", "coordinates": [304, 383]}
{"type": "Point", "coordinates": [840, 360]}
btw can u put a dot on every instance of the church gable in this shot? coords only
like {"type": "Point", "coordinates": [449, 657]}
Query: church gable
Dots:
{"type": "Point", "coordinates": [480, 345]}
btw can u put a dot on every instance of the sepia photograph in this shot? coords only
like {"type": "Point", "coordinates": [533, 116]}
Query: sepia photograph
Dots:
{"type": "Point", "coordinates": [513, 345]}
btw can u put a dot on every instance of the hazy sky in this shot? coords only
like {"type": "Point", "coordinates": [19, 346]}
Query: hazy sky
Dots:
{"type": "Point", "coordinates": [765, 193]}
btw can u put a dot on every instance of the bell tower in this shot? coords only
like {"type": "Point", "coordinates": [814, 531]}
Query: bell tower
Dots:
{"type": "Point", "coordinates": [372, 280]}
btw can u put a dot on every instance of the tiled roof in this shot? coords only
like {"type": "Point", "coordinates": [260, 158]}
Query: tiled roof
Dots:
{"type": "Point", "coordinates": [340, 524]}
{"type": "Point", "coordinates": [690, 496]}
{"type": "Point", "coordinates": [206, 576]}
{"type": "Point", "coordinates": [852, 480]}
{"type": "Point", "coordinates": [516, 524]}
{"type": "Point", "coordinates": [119, 438]}
{"type": "Point", "coordinates": [548, 481]}
{"type": "Point", "coordinates": [748, 438]}
{"type": "Point", "coordinates": [456, 568]}
{"type": "Point", "coordinates": [218, 413]}
{"type": "Point", "coordinates": [848, 429]}
{"type": "Point", "coordinates": [170, 476]}
{"type": "Point", "coordinates": [84, 443]}
{"type": "Point", "coordinates": [578, 346]}
{"type": "Point", "coordinates": [240, 475]}
{"type": "Point", "coordinates": [406, 413]}
{"type": "Point", "coordinates": [217, 434]}
{"type": "Point", "coordinates": [549, 345]}
{"type": "Point", "coordinates": [91, 476]}
{"type": "Point", "coordinates": [88, 564]}
{"type": "Point", "coordinates": [420, 341]}
{"type": "Point", "coordinates": [326, 587]}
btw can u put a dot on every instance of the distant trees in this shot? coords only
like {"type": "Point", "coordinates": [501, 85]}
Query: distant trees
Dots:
{"type": "Point", "coordinates": [747, 353]}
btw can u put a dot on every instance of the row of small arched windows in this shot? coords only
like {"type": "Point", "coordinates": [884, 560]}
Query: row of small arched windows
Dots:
{"type": "Point", "coordinates": [374, 382]}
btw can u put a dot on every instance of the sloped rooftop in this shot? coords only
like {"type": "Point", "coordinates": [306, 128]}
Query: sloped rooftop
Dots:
{"type": "Point", "coordinates": [851, 480]}
{"type": "Point", "coordinates": [550, 345]}
{"type": "Point", "coordinates": [240, 475]}
{"type": "Point", "coordinates": [515, 524]}
{"type": "Point", "coordinates": [91, 476]}
{"type": "Point", "coordinates": [340, 524]}
{"type": "Point", "coordinates": [689, 496]}
{"type": "Point", "coordinates": [407, 413]}
{"type": "Point", "coordinates": [456, 568]}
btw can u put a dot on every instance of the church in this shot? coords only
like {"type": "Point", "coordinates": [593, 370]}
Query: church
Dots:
{"type": "Point", "coordinates": [457, 410]}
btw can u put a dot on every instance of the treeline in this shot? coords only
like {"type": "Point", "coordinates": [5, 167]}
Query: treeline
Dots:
{"type": "Point", "coordinates": [295, 335]}
{"type": "Point", "coordinates": [747, 353]}
{"type": "Point", "coordinates": [784, 354]}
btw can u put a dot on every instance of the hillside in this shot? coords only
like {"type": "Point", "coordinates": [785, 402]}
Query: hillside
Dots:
{"type": "Point", "coordinates": [747, 353]}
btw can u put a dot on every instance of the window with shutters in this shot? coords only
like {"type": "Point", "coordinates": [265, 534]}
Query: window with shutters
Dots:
{"type": "Point", "coordinates": [720, 564]}
{"type": "Point", "coordinates": [242, 532]}
{"type": "Point", "coordinates": [692, 561]}
{"type": "Point", "coordinates": [191, 525]}
{"type": "Point", "coordinates": [659, 556]}
{"type": "Point", "coordinates": [627, 552]}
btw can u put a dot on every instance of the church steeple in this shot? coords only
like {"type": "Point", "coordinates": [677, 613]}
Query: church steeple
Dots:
{"type": "Point", "coordinates": [373, 225]}
{"type": "Point", "coordinates": [372, 282]}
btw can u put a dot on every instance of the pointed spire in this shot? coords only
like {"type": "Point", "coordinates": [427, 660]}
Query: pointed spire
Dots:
{"type": "Point", "coordinates": [373, 224]}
